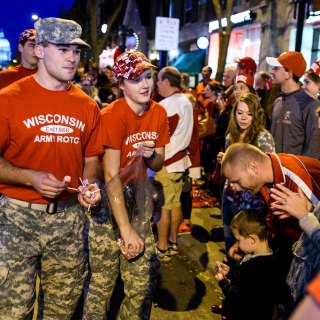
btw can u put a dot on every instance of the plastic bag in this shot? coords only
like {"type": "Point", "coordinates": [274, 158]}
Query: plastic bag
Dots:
{"type": "Point", "coordinates": [137, 193]}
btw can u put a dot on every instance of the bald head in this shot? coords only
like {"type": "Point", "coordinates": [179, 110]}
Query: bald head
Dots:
{"type": "Point", "coordinates": [246, 167]}
{"type": "Point", "coordinates": [240, 153]}
{"type": "Point", "coordinates": [228, 76]}
{"type": "Point", "coordinates": [173, 75]}
{"type": "Point", "coordinates": [169, 81]}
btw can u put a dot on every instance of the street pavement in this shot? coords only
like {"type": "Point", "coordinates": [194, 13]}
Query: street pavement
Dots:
{"type": "Point", "coordinates": [201, 246]}
{"type": "Point", "coordinates": [186, 287]}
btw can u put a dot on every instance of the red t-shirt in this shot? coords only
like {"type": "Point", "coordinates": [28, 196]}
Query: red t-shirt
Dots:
{"type": "Point", "coordinates": [122, 129]}
{"type": "Point", "coordinates": [46, 130]}
{"type": "Point", "coordinates": [9, 76]}
{"type": "Point", "coordinates": [293, 172]}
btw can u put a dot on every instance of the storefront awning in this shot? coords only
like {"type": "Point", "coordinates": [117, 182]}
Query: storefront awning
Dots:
{"type": "Point", "coordinates": [191, 62]}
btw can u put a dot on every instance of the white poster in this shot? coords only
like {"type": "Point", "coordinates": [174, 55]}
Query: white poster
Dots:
{"type": "Point", "coordinates": [167, 33]}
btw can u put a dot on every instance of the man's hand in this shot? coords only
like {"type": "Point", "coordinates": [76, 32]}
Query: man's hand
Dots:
{"type": "Point", "coordinates": [47, 184]}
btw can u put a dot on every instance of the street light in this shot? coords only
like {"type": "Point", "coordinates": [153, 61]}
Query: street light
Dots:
{"type": "Point", "coordinates": [35, 17]}
{"type": "Point", "coordinates": [104, 28]}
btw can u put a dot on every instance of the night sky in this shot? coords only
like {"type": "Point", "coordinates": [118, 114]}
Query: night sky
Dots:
{"type": "Point", "coordinates": [15, 15]}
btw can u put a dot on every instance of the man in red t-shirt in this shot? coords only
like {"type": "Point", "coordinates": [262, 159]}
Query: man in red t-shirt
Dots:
{"type": "Point", "coordinates": [29, 60]}
{"type": "Point", "coordinates": [48, 140]}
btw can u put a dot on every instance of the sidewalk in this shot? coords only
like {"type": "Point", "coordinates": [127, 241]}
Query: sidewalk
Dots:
{"type": "Point", "coordinates": [199, 246]}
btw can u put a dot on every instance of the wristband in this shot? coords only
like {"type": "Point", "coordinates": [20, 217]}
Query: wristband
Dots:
{"type": "Point", "coordinates": [154, 154]}
{"type": "Point", "coordinates": [98, 183]}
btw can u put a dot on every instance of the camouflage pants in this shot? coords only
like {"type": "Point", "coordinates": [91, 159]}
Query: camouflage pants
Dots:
{"type": "Point", "coordinates": [28, 237]}
{"type": "Point", "coordinates": [139, 275]}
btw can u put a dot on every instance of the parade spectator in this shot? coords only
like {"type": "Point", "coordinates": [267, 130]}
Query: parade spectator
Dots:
{"type": "Point", "coordinates": [262, 83]}
{"type": "Point", "coordinates": [206, 73]}
{"type": "Point", "coordinates": [246, 125]}
{"type": "Point", "coordinates": [226, 103]}
{"type": "Point", "coordinates": [193, 172]}
{"type": "Point", "coordinates": [208, 117]}
{"type": "Point", "coordinates": [87, 86]}
{"type": "Point", "coordinates": [248, 168]}
{"type": "Point", "coordinates": [311, 81]}
{"type": "Point", "coordinates": [185, 84]}
{"type": "Point", "coordinates": [48, 140]}
{"type": "Point", "coordinates": [107, 86]}
{"type": "Point", "coordinates": [29, 60]}
{"type": "Point", "coordinates": [228, 77]}
{"type": "Point", "coordinates": [250, 294]}
{"type": "Point", "coordinates": [294, 124]}
{"type": "Point", "coordinates": [265, 91]}
{"type": "Point", "coordinates": [306, 251]}
{"type": "Point", "coordinates": [244, 81]}
{"type": "Point", "coordinates": [127, 123]}
{"type": "Point", "coordinates": [177, 161]}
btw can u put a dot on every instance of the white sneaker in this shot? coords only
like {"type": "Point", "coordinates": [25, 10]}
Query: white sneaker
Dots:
{"type": "Point", "coordinates": [163, 256]}
{"type": "Point", "coordinates": [173, 249]}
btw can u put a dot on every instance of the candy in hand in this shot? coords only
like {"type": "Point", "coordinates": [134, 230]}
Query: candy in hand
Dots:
{"type": "Point", "coordinates": [89, 194]}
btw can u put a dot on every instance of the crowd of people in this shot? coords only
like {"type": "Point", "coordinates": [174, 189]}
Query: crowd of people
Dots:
{"type": "Point", "coordinates": [82, 149]}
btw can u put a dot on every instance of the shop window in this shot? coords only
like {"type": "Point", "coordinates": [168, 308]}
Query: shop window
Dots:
{"type": "Point", "coordinates": [315, 55]}
{"type": "Point", "coordinates": [243, 42]}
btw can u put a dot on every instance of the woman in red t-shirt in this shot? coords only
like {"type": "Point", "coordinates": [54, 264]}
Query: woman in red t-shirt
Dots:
{"type": "Point", "coordinates": [131, 124]}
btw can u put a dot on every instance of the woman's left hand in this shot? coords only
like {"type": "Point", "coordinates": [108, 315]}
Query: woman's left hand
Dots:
{"type": "Point", "coordinates": [289, 203]}
{"type": "Point", "coordinates": [148, 149]}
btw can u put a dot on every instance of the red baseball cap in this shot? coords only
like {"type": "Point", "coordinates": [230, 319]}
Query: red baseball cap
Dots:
{"type": "Point", "coordinates": [291, 60]}
{"type": "Point", "coordinates": [315, 68]}
{"type": "Point", "coordinates": [27, 35]}
{"type": "Point", "coordinates": [129, 65]}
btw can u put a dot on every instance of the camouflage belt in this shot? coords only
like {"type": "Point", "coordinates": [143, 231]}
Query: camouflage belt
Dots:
{"type": "Point", "coordinates": [51, 208]}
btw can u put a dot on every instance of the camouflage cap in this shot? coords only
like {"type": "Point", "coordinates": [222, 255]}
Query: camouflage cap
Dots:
{"type": "Point", "coordinates": [59, 31]}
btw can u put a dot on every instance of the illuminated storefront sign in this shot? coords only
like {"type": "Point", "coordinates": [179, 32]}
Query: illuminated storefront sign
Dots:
{"type": "Point", "coordinates": [235, 18]}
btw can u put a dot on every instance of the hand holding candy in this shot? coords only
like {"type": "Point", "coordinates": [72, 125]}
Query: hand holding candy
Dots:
{"type": "Point", "coordinates": [89, 194]}
{"type": "Point", "coordinates": [130, 243]}
{"type": "Point", "coordinates": [221, 270]}
{"type": "Point", "coordinates": [148, 149]}
{"type": "Point", "coordinates": [128, 254]}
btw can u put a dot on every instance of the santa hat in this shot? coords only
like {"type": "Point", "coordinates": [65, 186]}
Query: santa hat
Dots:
{"type": "Point", "coordinates": [246, 70]}
{"type": "Point", "coordinates": [315, 68]}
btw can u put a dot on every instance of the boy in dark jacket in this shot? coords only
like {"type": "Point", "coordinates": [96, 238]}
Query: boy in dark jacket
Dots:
{"type": "Point", "coordinates": [251, 293]}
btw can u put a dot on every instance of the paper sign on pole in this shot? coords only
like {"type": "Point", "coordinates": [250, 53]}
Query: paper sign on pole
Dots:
{"type": "Point", "coordinates": [167, 33]}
